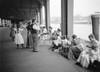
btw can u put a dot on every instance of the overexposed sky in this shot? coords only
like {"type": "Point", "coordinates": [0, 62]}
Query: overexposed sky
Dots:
{"type": "Point", "coordinates": [80, 7]}
{"type": "Point", "coordinates": [86, 7]}
{"type": "Point", "coordinates": [55, 8]}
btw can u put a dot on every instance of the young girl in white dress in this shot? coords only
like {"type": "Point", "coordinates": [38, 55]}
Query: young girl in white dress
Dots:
{"type": "Point", "coordinates": [18, 37]}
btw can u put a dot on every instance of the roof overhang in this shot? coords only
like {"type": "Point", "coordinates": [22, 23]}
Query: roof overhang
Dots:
{"type": "Point", "coordinates": [20, 9]}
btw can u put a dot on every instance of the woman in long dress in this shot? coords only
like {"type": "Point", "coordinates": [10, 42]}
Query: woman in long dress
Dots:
{"type": "Point", "coordinates": [18, 37]}
{"type": "Point", "coordinates": [90, 55]}
{"type": "Point", "coordinates": [29, 36]}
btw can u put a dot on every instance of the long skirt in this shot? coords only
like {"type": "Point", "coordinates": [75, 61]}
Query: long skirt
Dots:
{"type": "Point", "coordinates": [19, 39]}
{"type": "Point", "coordinates": [29, 41]}
{"type": "Point", "coordinates": [74, 53]}
{"type": "Point", "coordinates": [12, 34]}
{"type": "Point", "coordinates": [84, 59]}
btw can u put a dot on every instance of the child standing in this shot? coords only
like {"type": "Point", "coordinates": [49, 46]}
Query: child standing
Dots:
{"type": "Point", "coordinates": [18, 37]}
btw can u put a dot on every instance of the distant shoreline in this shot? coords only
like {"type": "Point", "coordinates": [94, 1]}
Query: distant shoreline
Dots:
{"type": "Point", "coordinates": [82, 22]}
{"type": "Point", "coordinates": [76, 23]}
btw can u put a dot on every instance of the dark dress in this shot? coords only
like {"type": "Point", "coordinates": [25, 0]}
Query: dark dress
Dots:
{"type": "Point", "coordinates": [75, 49]}
{"type": "Point", "coordinates": [12, 33]}
{"type": "Point", "coordinates": [29, 37]}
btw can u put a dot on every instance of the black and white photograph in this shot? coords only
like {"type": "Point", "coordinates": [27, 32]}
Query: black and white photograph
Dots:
{"type": "Point", "coordinates": [49, 35]}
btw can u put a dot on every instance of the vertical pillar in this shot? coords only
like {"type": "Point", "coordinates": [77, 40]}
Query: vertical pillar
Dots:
{"type": "Point", "coordinates": [47, 13]}
{"type": "Point", "coordinates": [67, 17]}
{"type": "Point", "coordinates": [0, 21]}
{"type": "Point", "coordinates": [41, 15]}
{"type": "Point", "coordinates": [10, 23]}
{"type": "Point", "coordinates": [3, 22]}
{"type": "Point", "coordinates": [38, 17]}
{"type": "Point", "coordinates": [95, 25]}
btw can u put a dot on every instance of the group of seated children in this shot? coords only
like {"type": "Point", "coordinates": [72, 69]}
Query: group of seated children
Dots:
{"type": "Point", "coordinates": [86, 56]}
{"type": "Point", "coordinates": [56, 39]}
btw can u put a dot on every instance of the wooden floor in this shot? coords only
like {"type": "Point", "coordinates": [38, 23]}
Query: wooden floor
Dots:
{"type": "Point", "coordinates": [24, 60]}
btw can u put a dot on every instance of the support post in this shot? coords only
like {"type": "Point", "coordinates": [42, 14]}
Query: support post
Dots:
{"type": "Point", "coordinates": [0, 22]}
{"type": "Point", "coordinates": [47, 14]}
{"type": "Point", "coordinates": [41, 15]}
{"type": "Point", "coordinates": [95, 25]}
{"type": "Point", "coordinates": [67, 17]}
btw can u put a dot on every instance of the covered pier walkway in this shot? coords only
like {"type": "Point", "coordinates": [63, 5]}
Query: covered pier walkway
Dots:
{"type": "Point", "coordinates": [24, 60]}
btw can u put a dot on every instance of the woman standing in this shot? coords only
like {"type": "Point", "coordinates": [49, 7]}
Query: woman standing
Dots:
{"type": "Point", "coordinates": [12, 32]}
{"type": "Point", "coordinates": [18, 37]}
{"type": "Point", "coordinates": [29, 36]}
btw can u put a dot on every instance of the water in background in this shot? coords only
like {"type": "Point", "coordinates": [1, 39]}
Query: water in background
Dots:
{"type": "Point", "coordinates": [81, 30]}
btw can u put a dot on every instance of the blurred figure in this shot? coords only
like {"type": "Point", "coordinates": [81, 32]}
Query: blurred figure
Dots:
{"type": "Point", "coordinates": [12, 32]}
{"type": "Point", "coordinates": [87, 57]}
{"type": "Point", "coordinates": [56, 41]}
{"type": "Point", "coordinates": [54, 35]}
{"type": "Point", "coordinates": [76, 48]}
{"type": "Point", "coordinates": [18, 37]}
{"type": "Point", "coordinates": [66, 43]}
{"type": "Point", "coordinates": [45, 30]}
{"type": "Point", "coordinates": [59, 32]}
{"type": "Point", "coordinates": [29, 36]}
{"type": "Point", "coordinates": [50, 30]}
{"type": "Point", "coordinates": [34, 31]}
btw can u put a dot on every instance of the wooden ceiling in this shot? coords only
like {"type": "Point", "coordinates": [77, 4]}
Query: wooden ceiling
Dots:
{"type": "Point", "coordinates": [19, 9]}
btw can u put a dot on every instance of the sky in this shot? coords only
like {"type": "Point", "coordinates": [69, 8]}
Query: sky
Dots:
{"type": "Point", "coordinates": [80, 7]}
{"type": "Point", "coordinates": [86, 7]}
{"type": "Point", "coordinates": [55, 8]}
